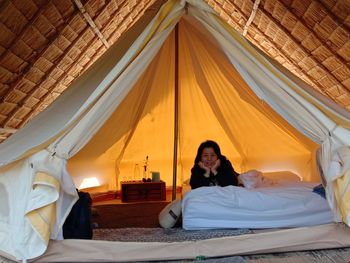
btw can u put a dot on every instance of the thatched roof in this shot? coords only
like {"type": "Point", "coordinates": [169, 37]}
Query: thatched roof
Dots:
{"type": "Point", "coordinates": [46, 44]}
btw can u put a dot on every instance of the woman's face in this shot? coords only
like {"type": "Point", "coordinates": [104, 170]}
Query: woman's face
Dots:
{"type": "Point", "coordinates": [208, 157]}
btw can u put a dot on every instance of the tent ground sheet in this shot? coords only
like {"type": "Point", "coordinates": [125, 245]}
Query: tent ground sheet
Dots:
{"type": "Point", "coordinates": [328, 236]}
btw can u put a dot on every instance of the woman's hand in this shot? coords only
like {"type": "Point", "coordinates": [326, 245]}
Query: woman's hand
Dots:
{"type": "Point", "coordinates": [215, 167]}
{"type": "Point", "coordinates": [207, 169]}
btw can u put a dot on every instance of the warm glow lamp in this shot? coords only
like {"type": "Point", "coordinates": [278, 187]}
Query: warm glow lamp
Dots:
{"type": "Point", "coordinates": [89, 182]}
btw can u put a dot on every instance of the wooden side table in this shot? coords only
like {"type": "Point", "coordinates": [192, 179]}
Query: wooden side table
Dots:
{"type": "Point", "coordinates": [136, 191]}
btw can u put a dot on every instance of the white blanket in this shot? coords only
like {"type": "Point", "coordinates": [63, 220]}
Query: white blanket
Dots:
{"type": "Point", "coordinates": [293, 205]}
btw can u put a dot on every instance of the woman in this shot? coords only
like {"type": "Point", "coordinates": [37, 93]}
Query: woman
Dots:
{"type": "Point", "coordinates": [211, 167]}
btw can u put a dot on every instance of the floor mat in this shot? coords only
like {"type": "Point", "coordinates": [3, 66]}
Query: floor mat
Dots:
{"type": "Point", "coordinates": [163, 235]}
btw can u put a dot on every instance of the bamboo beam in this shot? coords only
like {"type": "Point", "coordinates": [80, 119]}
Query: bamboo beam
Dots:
{"type": "Point", "coordinates": [91, 23]}
{"type": "Point", "coordinates": [251, 17]}
{"type": "Point", "coordinates": [7, 130]}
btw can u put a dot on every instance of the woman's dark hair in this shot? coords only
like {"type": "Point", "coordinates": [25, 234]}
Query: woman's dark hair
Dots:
{"type": "Point", "coordinates": [207, 144]}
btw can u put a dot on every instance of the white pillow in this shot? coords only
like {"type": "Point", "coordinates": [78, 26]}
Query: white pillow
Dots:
{"type": "Point", "coordinates": [251, 179]}
{"type": "Point", "coordinates": [170, 214]}
{"type": "Point", "coordinates": [255, 179]}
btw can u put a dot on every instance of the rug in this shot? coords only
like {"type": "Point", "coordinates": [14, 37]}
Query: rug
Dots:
{"type": "Point", "coordinates": [163, 235]}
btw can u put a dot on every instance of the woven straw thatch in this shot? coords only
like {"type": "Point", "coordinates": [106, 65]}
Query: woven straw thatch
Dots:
{"type": "Point", "coordinates": [46, 44]}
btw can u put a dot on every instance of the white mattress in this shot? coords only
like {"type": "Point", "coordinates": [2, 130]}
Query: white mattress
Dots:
{"type": "Point", "coordinates": [289, 205]}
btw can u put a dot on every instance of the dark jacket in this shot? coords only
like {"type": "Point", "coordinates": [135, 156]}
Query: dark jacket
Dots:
{"type": "Point", "coordinates": [226, 175]}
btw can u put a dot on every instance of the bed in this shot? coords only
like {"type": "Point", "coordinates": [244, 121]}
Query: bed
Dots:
{"type": "Point", "coordinates": [287, 204]}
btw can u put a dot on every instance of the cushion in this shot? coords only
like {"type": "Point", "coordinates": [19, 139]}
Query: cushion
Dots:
{"type": "Point", "coordinates": [170, 214]}
{"type": "Point", "coordinates": [283, 175]}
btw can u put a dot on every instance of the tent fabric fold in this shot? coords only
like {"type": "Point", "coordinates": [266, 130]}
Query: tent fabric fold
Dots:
{"type": "Point", "coordinates": [121, 110]}
{"type": "Point", "coordinates": [41, 212]}
{"type": "Point", "coordinates": [40, 194]}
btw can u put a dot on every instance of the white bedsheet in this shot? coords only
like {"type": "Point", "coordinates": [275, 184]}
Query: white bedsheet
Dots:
{"type": "Point", "coordinates": [289, 205]}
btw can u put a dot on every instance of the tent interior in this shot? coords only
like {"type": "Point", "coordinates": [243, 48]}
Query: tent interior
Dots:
{"type": "Point", "coordinates": [214, 102]}
{"type": "Point", "coordinates": [132, 106]}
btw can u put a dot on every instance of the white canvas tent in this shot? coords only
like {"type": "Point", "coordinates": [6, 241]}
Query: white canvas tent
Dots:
{"type": "Point", "coordinates": [122, 109]}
